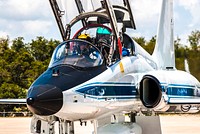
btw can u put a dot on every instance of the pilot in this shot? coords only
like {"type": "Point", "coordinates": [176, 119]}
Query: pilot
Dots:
{"type": "Point", "coordinates": [88, 54]}
{"type": "Point", "coordinates": [103, 40]}
{"type": "Point", "coordinates": [103, 35]}
{"type": "Point", "coordinates": [84, 47]}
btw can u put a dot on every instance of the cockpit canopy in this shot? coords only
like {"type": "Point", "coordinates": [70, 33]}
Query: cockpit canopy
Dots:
{"type": "Point", "coordinates": [69, 13]}
{"type": "Point", "coordinates": [78, 53]}
{"type": "Point", "coordinates": [113, 16]}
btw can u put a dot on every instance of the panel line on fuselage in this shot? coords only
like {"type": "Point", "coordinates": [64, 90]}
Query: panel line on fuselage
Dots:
{"type": "Point", "coordinates": [181, 90]}
{"type": "Point", "coordinates": [105, 90]}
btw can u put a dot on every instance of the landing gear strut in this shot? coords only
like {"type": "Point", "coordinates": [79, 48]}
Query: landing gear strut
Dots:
{"type": "Point", "coordinates": [66, 127]}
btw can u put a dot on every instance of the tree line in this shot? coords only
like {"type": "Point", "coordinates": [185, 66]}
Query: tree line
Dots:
{"type": "Point", "coordinates": [21, 63]}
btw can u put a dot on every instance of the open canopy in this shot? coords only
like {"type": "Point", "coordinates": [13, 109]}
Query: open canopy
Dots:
{"type": "Point", "coordinates": [92, 12]}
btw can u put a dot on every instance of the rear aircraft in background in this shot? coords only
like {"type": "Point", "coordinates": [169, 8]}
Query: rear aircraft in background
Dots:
{"type": "Point", "coordinates": [99, 73]}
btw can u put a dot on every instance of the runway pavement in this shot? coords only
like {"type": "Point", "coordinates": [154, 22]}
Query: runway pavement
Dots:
{"type": "Point", "coordinates": [14, 125]}
{"type": "Point", "coordinates": [170, 124]}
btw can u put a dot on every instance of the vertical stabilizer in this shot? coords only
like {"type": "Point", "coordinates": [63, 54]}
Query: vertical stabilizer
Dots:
{"type": "Point", "coordinates": [164, 48]}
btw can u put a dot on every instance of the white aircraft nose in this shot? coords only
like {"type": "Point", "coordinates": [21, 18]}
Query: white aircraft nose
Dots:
{"type": "Point", "coordinates": [44, 99]}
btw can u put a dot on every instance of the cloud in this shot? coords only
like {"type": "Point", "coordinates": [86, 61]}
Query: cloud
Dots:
{"type": "Point", "coordinates": [34, 28]}
{"type": "Point", "coordinates": [24, 9]}
{"type": "Point", "coordinates": [28, 29]}
{"type": "Point", "coordinates": [186, 18]}
{"type": "Point", "coordinates": [31, 18]}
{"type": "Point", "coordinates": [146, 14]}
{"type": "Point", "coordinates": [145, 11]}
{"type": "Point", "coordinates": [192, 7]}
{"type": "Point", "coordinates": [3, 34]}
{"type": "Point", "coordinates": [27, 18]}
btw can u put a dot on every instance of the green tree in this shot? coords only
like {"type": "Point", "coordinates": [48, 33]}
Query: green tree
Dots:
{"type": "Point", "coordinates": [3, 45]}
{"type": "Point", "coordinates": [22, 63]}
{"type": "Point", "coordinates": [42, 49]}
{"type": "Point", "coordinates": [194, 39]}
{"type": "Point", "coordinates": [140, 40]}
{"type": "Point", "coordinates": [18, 45]}
{"type": "Point", "coordinates": [147, 45]}
{"type": "Point", "coordinates": [150, 45]}
{"type": "Point", "coordinates": [180, 54]}
{"type": "Point", "coordinates": [193, 53]}
{"type": "Point", "coordinates": [8, 90]}
{"type": "Point", "coordinates": [5, 52]}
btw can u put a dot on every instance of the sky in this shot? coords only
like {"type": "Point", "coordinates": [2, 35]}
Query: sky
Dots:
{"type": "Point", "coordinates": [32, 18]}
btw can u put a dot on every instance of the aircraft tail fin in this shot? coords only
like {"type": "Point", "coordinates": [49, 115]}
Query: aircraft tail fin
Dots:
{"type": "Point", "coordinates": [164, 48]}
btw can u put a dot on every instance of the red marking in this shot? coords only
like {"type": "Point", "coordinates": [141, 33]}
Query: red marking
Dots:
{"type": "Point", "coordinates": [90, 26]}
{"type": "Point", "coordinates": [120, 46]}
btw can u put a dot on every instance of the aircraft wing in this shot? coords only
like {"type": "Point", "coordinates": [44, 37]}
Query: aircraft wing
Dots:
{"type": "Point", "coordinates": [12, 101]}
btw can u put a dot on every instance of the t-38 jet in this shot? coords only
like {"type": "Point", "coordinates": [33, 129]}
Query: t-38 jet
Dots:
{"type": "Point", "coordinates": [99, 73]}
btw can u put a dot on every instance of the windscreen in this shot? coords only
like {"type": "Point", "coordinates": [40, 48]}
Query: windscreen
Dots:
{"type": "Point", "coordinates": [78, 53]}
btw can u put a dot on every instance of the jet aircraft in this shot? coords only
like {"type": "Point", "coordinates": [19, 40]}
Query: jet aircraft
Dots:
{"type": "Point", "coordinates": [100, 73]}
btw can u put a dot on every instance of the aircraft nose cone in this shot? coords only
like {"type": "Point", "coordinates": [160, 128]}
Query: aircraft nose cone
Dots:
{"type": "Point", "coordinates": [44, 99]}
{"type": "Point", "coordinates": [30, 101]}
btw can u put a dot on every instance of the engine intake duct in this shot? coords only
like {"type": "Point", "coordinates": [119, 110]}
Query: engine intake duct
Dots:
{"type": "Point", "coordinates": [150, 91]}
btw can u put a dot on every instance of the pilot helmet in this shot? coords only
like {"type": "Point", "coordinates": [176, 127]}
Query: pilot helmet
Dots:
{"type": "Point", "coordinates": [103, 33]}
{"type": "Point", "coordinates": [102, 30]}
{"type": "Point", "coordinates": [85, 37]}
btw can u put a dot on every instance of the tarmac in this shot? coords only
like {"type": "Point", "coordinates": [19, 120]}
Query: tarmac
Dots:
{"type": "Point", "coordinates": [170, 124]}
